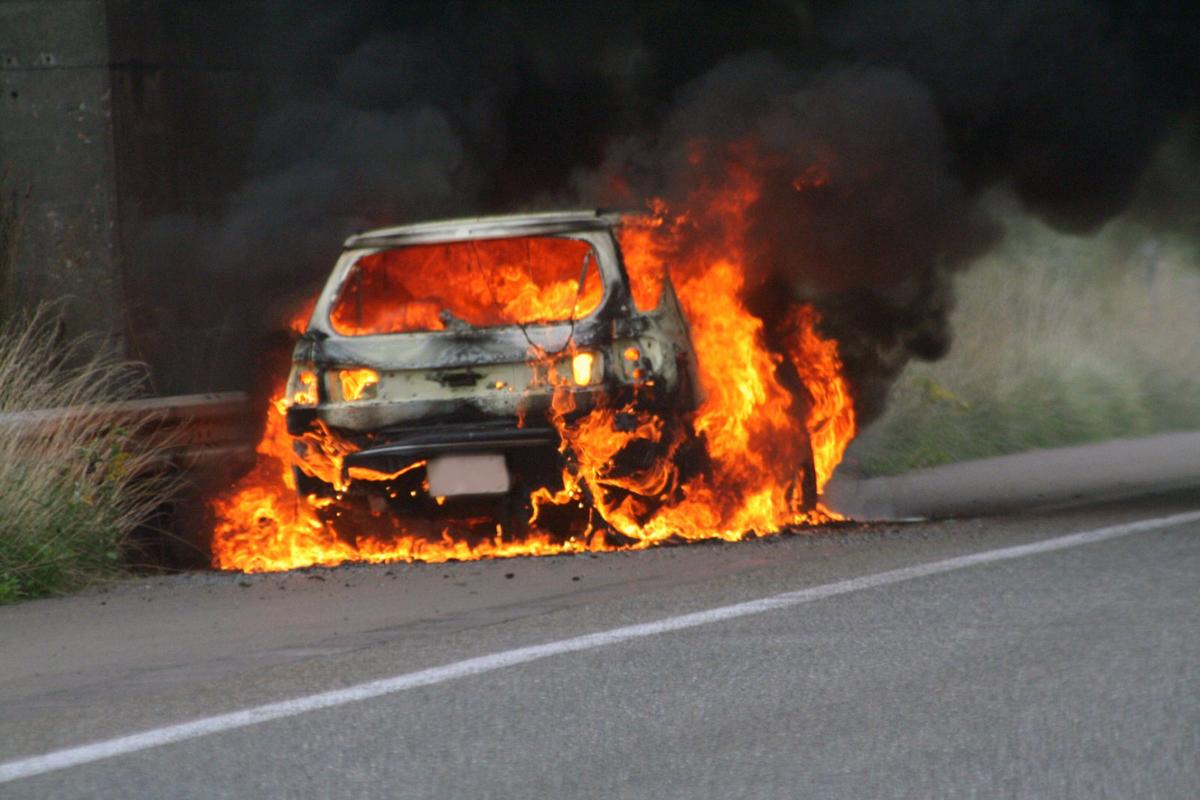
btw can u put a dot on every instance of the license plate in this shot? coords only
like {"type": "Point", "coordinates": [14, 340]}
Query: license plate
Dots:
{"type": "Point", "coordinates": [480, 473]}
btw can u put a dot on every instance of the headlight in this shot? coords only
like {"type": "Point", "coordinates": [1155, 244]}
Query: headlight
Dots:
{"type": "Point", "coordinates": [582, 365]}
{"type": "Point", "coordinates": [302, 386]}
{"type": "Point", "coordinates": [636, 359]}
{"type": "Point", "coordinates": [585, 368]}
{"type": "Point", "coordinates": [358, 384]}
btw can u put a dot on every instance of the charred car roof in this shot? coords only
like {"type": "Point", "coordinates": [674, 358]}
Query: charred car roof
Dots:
{"type": "Point", "coordinates": [486, 228]}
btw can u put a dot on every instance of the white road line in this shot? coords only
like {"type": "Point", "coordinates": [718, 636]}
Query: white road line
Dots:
{"type": "Point", "coordinates": [156, 737]}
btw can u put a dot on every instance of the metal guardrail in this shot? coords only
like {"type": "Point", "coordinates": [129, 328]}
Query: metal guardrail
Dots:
{"type": "Point", "coordinates": [202, 430]}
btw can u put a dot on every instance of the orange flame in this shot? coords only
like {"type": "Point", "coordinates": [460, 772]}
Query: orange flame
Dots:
{"type": "Point", "coordinates": [355, 382]}
{"type": "Point", "coordinates": [516, 280]}
{"type": "Point", "coordinates": [760, 441]}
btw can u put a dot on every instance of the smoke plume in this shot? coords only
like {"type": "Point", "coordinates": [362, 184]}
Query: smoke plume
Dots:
{"type": "Point", "coordinates": [876, 127]}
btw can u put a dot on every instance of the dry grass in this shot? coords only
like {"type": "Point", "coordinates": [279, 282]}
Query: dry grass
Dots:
{"type": "Point", "coordinates": [71, 492]}
{"type": "Point", "coordinates": [1059, 340]}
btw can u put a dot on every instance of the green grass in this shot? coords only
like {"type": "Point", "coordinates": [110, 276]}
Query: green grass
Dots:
{"type": "Point", "coordinates": [1059, 340]}
{"type": "Point", "coordinates": [71, 495]}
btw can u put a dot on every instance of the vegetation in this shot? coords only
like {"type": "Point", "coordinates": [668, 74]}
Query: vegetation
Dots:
{"type": "Point", "coordinates": [73, 486]}
{"type": "Point", "coordinates": [1059, 340]}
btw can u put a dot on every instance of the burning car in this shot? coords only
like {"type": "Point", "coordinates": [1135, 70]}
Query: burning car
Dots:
{"type": "Point", "coordinates": [536, 384]}
{"type": "Point", "coordinates": [439, 355]}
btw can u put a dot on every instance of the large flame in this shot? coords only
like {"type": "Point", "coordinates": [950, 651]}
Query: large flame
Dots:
{"type": "Point", "coordinates": [509, 281]}
{"type": "Point", "coordinates": [755, 433]}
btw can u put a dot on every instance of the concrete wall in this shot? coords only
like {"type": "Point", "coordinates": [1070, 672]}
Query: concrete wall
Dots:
{"type": "Point", "coordinates": [187, 93]}
{"type": "Point", "coordinates": [56, 154]}
{"type": "Point", "coordinates": [115, 113]}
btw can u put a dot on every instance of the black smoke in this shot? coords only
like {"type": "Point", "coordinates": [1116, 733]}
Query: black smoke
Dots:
{"type": "Point", "coordinates": [860, 211]}
{"type": "Point", "coordinates": [895, 117]}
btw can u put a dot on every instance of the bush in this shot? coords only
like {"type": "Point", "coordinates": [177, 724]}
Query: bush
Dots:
{"type": "Point", "coordinates": [72, 492]}
{"type": "Point", "coordinates": [1059, 340]}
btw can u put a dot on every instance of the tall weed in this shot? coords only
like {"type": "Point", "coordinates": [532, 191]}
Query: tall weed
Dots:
{"type": "Point", "coordinates": [73, 486]}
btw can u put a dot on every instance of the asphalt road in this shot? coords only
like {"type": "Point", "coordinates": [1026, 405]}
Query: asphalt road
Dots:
{"type": "Point", "coordinates": [1072, 672]}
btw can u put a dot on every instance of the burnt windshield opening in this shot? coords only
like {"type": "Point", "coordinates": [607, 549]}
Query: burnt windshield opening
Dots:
{"type": "Point", "coordinates": [469, 284]}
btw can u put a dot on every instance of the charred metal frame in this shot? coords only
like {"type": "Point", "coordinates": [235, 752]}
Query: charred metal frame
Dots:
{"type": "Point", "coordinates": [448, 411]}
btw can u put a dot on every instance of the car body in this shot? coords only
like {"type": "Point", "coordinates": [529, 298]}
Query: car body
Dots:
{"type": "Point", "coordinates": [448, 376]}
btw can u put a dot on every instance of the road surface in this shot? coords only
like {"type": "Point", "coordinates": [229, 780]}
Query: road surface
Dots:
{"type": "Point", "coordinates": [918, 660]}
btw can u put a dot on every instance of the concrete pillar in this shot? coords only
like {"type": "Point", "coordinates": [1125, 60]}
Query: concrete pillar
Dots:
{"type": "Point", "coordinates": [56, 154]}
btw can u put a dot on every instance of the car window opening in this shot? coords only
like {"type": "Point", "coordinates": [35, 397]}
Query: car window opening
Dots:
{"type": "Point", "coordinates": [477, 283]}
